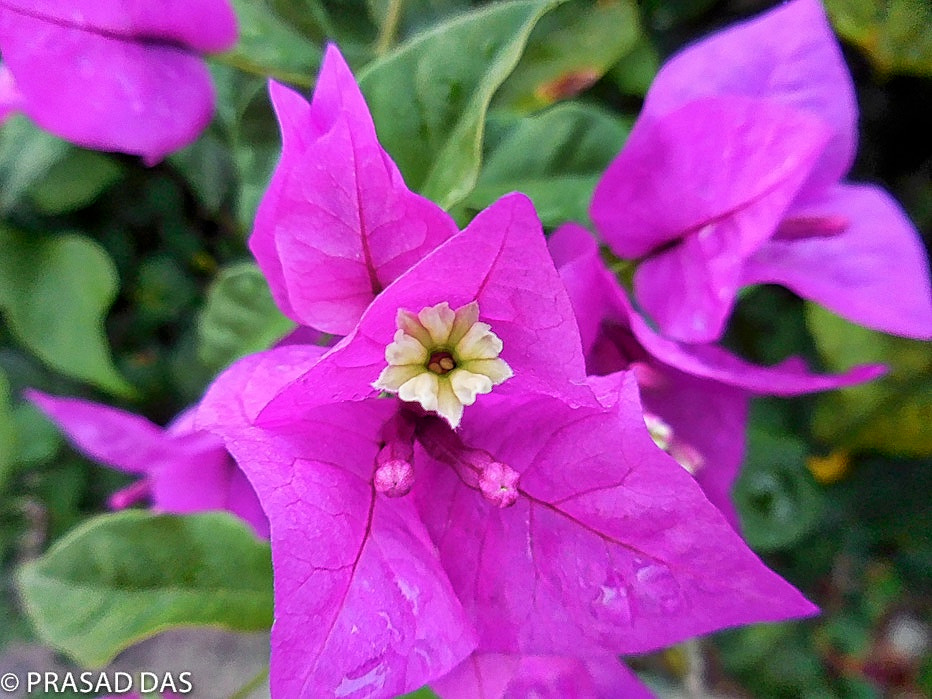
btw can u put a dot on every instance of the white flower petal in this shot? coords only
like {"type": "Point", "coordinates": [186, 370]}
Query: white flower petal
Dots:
{"type": "Point", "coordinates": [438, 321]}
{"type": "Point", "coordinates": [393, 377]}
{"type": "Point", "coordinates": [467, 385]}
{"type": "Point", "coordinates": [423, 388]}
{"type": "Point", "coordinates": [496, 369]}
{"type": "Point", "coordinates": [407, 321]}
{"type": "Point", "coordinates": [405, 350]}
{"type": "Point", "coordinates": [479, 342]}
{"type": "Point", "coordinates": [449, 406]}
{"type": "Point", "coordinates": [466, 317]}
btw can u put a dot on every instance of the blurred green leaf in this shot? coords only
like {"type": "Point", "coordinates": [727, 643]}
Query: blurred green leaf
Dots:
{"type": "Point", "coordinates": [74, 181]}
{"type": "Point", "coordinates": [207, 165]}
{"type": "Point", "coordinates": [665, 14]}
{"type": "Point", "coordinates": [418, 15]}
{"type": "Point", "coordinates": [429, 96]}
{"type": "Point", "coordinates": [55, 293]}
{"type": "Point", "coordinates": [246, 113]}
{"type": "Point", "coordinates": [634, 73]}
{"type": "Point", "coordinates": [271, 46]}
{"type": "Point", "coordinates": [60, 489]}
{"type": "Point", "coordinates": [239, 317]}
{"type": "Point", "coordinates": [775, 660]}
{"type": "Point", "coordinates": [569, 50]}
{"type": "Point", "coordinates": [892, 413]}
{"type": "Point", "coordinates": [120, 578]}
{"type": "Point", "coordinates": [7, 432]}
{"type": "Point", "coordinates": [777, 499]}
{"type": "Point", "coordinates": [26, 155]}
{"type": "Point", "coordinates": [54, 175]}
{"type": "Point", "coordinates": [37, 439]}
{"type": "Point", "coordinates": [163, 291]}
{"type": "Point", "coordinates": [895, 34]}
{"type": "Point", "coordinates": [555, 157]}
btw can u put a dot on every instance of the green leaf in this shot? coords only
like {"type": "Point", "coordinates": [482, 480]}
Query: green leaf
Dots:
{"type": "Point", "coordinates": [777, 499]}
{"type": "Point", "coordinates": [430, 113]}
{"type": "Point", "coordinates": [239, 317]}
{"type": "Point", "coordinates": [895, 34]}
{"type": "Point", "coordinates": [569, 50]}
{"type": "Point", "coordinates": [120, 578]}
{"type": "Point", "coordinates": [55, 176]}
{"type": "Point", "coordinates": [270, 46]}
{"type": "Point", "coordinates": [891, 413]}
{"type": "Point", "coordinates": [55, 293]}
{"type": "Point", "coordinates": [555, 158]}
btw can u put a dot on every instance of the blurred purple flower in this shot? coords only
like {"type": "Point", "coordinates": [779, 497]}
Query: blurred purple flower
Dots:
{"type": "Point", "coordinates": [181, 469]}
{"type": "Point", "coordinates": [113, 75]}
{"type": "Point", "coordinates": [731, 177]}
{"type": "Point", "coordinates": [547, 523]}
{"type": "Point", "coordinates": [698, 395]}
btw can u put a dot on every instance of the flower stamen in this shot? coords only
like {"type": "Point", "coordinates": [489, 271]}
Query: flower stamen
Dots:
{"type": "Point", "coordinates": [441, 363]}
{"type": "Point", "coordinates": [443, 359]}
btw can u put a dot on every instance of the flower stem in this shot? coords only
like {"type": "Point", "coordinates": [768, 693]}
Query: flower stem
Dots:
{"type": "Point", "coordinates": [389, 27]}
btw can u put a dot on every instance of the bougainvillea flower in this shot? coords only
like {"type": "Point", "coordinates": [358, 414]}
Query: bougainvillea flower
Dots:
{"type": "Point", "coordinates": [700, 393]}
{"type": "Point", "coordinates": [535, 528]}
{"type": "Point", "coordinates": [546, 523]}
{"type": "Point", "coordinates": [181, 469]}
{"type": "Point", "coordinates": [113, 75]}
{"type": "Point", "coordinates": [500, 263]}
{"type": "Point", "coordinates": [499, 676]}
{"type": "Point", "coordinates": [338, 205]}
{"type": "Point", "coordinates": [731, 176]}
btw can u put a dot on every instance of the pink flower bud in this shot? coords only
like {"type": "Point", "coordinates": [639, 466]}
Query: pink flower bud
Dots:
{"type": "Point", "coordinates": [499, 484]}
{"type": "Point", "coordinates": [394, 478]}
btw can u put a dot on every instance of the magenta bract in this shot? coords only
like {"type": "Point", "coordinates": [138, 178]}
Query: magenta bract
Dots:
{"type": "Point", "coordinates": [338, 205]}
{"type": "Point", "coordinates": [701, 391]}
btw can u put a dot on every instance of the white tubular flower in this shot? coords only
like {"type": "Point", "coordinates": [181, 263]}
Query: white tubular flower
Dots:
{"type": "Point", "coordinates": [442, 359]}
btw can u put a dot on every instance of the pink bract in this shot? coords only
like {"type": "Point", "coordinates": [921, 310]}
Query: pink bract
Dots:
{"type": "Point", "coordinates": [701, 391]}
{"type": "Point", "coordinates": [338, 205]}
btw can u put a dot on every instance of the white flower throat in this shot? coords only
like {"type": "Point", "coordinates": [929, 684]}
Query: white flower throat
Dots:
{"type": "Point", "coordinates": [442, 359]}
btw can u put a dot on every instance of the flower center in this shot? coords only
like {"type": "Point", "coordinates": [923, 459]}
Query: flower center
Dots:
{"type": "Point", "coordinates": [442, 359]}
{"type": "Point", "coordinates": [441, 362]}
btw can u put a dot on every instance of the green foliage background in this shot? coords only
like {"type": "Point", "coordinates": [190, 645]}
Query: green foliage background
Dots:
{"type": "Point", "coordinates": [133, 286]}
